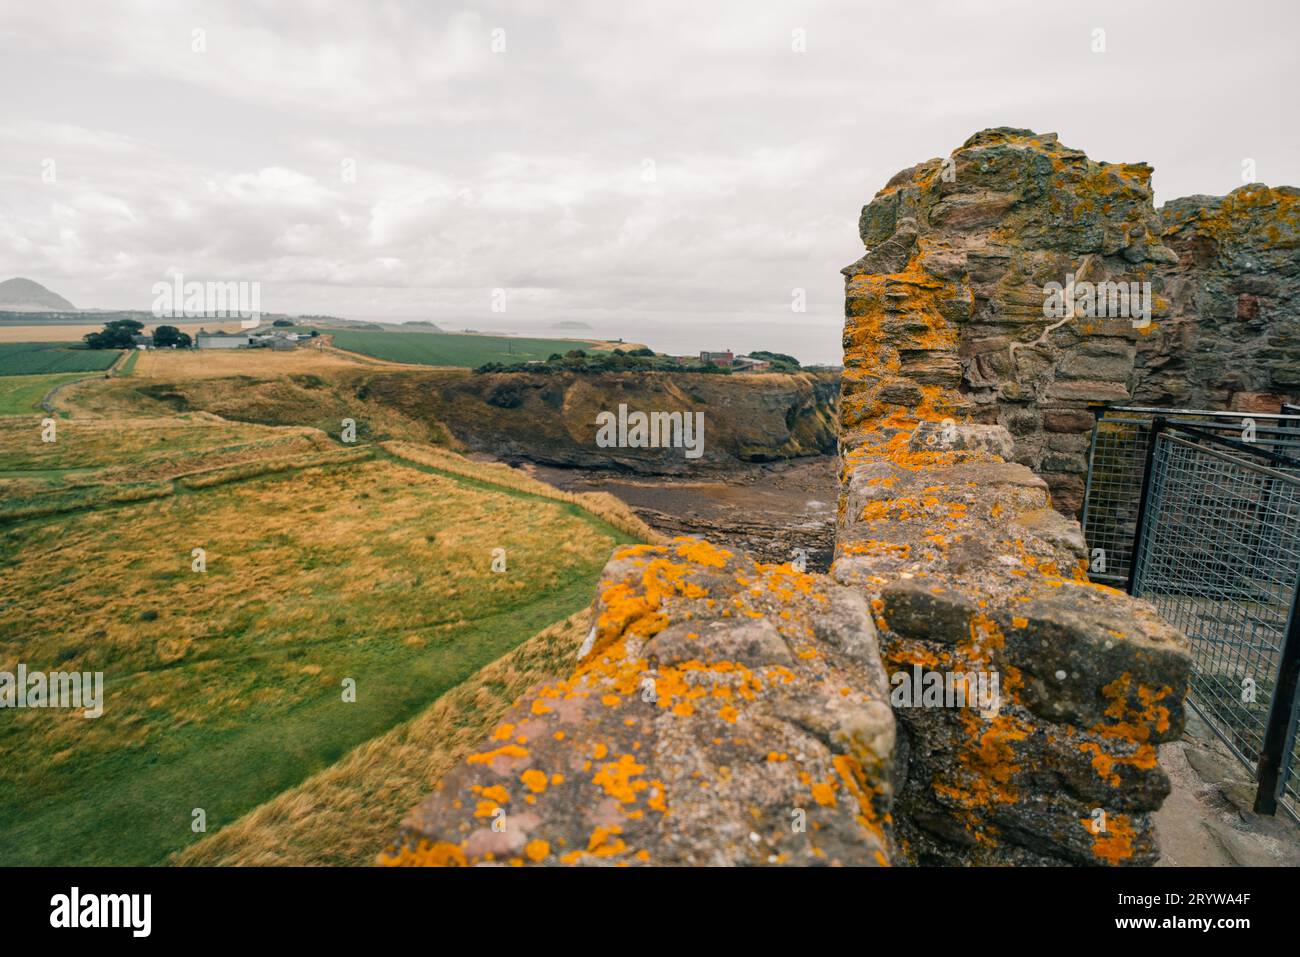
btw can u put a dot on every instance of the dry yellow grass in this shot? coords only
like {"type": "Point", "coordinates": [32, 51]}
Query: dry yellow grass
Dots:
{"type": "Point", "coordinates": [181, 364]}
{"type": "Point", "coordinates": [54, 332]}
{"type": "Point", "coordinates": [346, 814]}
{"type": "Point", "coordinates": [303, 388]}
{"type": "Point", "coordinates": [324, 561]}
{"type": "Point", "coordinates": [372, 549]}
{"type": "Point", "coordinates": [601, 504]}
{"type": "Point", "coordinates": [160, 446]}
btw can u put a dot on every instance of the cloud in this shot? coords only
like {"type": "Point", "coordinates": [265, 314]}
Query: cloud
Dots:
{"type": "Point", "coordinates": [675, 162]}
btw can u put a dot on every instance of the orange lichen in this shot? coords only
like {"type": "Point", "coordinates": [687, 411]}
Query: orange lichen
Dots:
{"type": "Point", "coordinates": [505, 751]}
{"type": "Point", "coordinates": [1113, 844]}
{"type": "Point", "coordinates": [493, 793]}
{"type": "Point", "coordinates": [425, 854]}
{"type": "Point", "coordinates": [617, 779]}
{"type": "Point", "coordinates": [534, 780]}
{"type": "Point", "coordinates": [823, 792]}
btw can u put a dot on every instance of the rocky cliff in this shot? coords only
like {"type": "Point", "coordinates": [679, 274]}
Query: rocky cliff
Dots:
{"type": "Point", "coordinates": [552, 419]}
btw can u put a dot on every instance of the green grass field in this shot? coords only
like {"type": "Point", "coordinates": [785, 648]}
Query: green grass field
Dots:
{"type": "Point", "coordinates": [39, 358]}
{"type": "Point", "coordinates": [22, 394]}
{"type": "Point", "coordinates": [449, 349]}
{"type": "Point", "coordinates": [224, 688]}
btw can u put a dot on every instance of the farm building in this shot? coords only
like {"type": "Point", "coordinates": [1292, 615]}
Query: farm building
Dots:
{"type": "Point", "coordinates": [723, 359]}
{"type": "Point", "coordinates": [223, 340]}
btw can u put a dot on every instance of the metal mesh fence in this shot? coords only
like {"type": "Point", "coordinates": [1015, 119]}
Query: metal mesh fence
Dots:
{"type": "Point", "coordinates": [1219, 557]}
{"type": "Point", "coordinates": [1115, 468]}
{"type": "Point", "coordinates": [1116, 465]}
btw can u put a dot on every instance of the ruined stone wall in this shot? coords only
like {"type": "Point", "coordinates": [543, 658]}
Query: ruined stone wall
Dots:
{"type": "Point", "coordinates": [969, 570]}
{"type": "Point", "coordinates": [949, 296]}
{"type": "Point", "coordinates": [955, 385]}
{"type": "Point", "coordinates": [1232, 339]}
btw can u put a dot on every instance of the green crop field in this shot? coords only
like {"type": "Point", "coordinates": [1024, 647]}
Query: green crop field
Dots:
{"type": "Point", "coordinates": [38, 358]}
{"type": "Point", "coordinates": [449, 349]}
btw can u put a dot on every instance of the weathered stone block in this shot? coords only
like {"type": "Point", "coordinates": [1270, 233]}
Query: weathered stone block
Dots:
{"type": "Point", "coordinates": [723, 712]}
{"type": "Point", "coordinates": [1068, 421]}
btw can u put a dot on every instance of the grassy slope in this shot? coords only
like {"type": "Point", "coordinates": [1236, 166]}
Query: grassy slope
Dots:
{"type": "Point", "coordinates": [347, 813]}
{"type": "Point", "coordinates": [302, 388]}
{"type": "Point", "coordinates": [231, 695]}
{"type": "Point", "coordinates": [22, 394]}
{"type": "Point", "coordinates": [448, 349]}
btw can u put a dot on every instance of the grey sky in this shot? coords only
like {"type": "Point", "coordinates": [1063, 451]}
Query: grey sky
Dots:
{"type": "Point", "coordinates": [524, 169]}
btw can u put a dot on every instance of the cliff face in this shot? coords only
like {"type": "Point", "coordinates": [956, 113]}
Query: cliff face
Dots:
{"type": "Point", "coordinates": [1232, 339]}
{"type": "Point", "coordinates": [552, 419]}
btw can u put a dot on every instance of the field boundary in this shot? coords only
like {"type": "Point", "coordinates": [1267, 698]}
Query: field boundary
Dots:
{"type": "Point", "coordinates": [363, 359]}
{"type": "Point", "coordinates": [188, 482]}
{"type": "Point", "coordinates": [47, 401]}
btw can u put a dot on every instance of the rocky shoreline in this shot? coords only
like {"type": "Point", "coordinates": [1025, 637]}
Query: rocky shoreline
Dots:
{"type": "Point", "coordinates": [771, 510]}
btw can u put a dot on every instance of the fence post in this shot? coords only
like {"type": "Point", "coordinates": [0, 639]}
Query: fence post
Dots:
{"type": "Point", "coordinates": [1157, 427]}
{"type": "Point", "coordinates": [1087, 485]}
{"type": "Point", "coordinates": [1274, 755]}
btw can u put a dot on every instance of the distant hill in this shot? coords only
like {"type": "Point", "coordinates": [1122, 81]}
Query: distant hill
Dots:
{"type": "Point", "coordinates": [23, 295]}
{"type": "Point", "coordinates": [570, 324]}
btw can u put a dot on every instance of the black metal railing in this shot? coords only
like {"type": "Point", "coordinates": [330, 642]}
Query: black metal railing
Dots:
{"type": "Point", "coordinates": [1200, 513]}
{"type": "Point", "coordinates": [1117, 463]}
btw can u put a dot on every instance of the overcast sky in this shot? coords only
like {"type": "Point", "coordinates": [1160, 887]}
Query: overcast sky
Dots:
{"type": "Point", "coordinates": [640, 165]}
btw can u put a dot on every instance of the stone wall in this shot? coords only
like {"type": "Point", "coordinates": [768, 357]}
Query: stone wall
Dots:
{"type": "Point", "coordinates": [949, 296]}
{"type": "Point", "coordinates": [969, 570]}
{"type": "Point", "coordinates": [1232, 339]}
{"type": "Point", "coordinates": [955, 386]}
